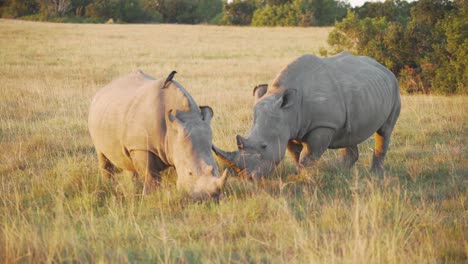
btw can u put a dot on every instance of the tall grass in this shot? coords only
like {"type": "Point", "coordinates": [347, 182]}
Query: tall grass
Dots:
{"type": "Point", "coordinates": [54, 208]}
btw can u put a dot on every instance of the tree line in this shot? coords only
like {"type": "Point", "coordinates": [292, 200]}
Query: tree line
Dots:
{"type": "Point", "coordinates": [237, 12]}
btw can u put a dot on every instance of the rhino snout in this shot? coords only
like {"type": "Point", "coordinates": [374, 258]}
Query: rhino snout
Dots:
{"type": "Point", "coordinates": [208, 187]}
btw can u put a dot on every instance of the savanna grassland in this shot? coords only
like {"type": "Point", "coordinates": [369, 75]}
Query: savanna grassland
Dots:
{"type": "Point", "coordinates": [54, 208]}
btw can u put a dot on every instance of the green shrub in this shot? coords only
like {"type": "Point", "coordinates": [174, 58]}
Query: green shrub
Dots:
{"type": "Point", "coordinates": [238, 12]}
{"type": "Point", "coordinates": [128, 11]}
{"type": "Point", "coordinates": [280, 15]}
{"type": "Point", "coordinates": [428, 53]}
{"type": "Point", "coordinates": [18, 8]}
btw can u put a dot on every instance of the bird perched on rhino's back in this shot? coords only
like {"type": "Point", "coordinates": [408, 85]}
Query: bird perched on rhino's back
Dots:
{"type": "Point", "coordinates": [144, 125]}
{"type": "Point", "coordinates": [318, 103]}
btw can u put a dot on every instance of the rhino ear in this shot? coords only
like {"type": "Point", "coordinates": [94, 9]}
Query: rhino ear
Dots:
{"type": "Point", "coordinates": [207, 113]}
{"type": "Point", "coordinates": [240, 142]}
{"type": "Point", "coordinates": [175, 121]}
{"type": "Point", "coordinates": [287, 98]}
{"type": "Point", "coordinates": [259, 91]}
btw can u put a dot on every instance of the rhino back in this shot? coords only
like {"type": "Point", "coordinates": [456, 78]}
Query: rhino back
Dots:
{"type": "Point", "coordinates": [353, 95]}
{"type": "Point", "coordinates": [129, 114]}
{"type": "Point", "coordinates": [369, 92]}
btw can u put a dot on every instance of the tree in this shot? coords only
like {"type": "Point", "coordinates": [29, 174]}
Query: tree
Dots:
{"type": "Point", "coordinates": [19, 8]}
{"type": "Point", "coordinates": [452, 75]}
{"type": "Point", "coordinates": [206, 10]}
{"type": "Point", "coordinates": [129, 11]}
{"type": "Point", "coordinates": [239, 12]}
{"type": "Point", "coordinates": [55, 7]}
{"type": "Point", "coordinates": [277, 15]}
{"type": "Point", "coordinates": [327, 12]}
{"type": "Point", "coordinates": [428, 53]}
{"type": "Point", "coordinates": [392, 10]}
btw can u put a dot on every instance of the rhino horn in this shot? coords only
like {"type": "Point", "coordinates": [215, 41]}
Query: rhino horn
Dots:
{"type": "Point", "coordinates": [231, 158]}
{"type": "Point", "coordinates": [222, 181]}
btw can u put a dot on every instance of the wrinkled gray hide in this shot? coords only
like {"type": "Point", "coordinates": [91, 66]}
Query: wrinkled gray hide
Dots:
{"type": "Point", "coordinates": [315, 104]}
{"type": "Point", "coordinates": [144, 125]}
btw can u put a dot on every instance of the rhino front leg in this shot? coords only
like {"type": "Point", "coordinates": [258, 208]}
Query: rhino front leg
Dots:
{"type": "Point", "coordinates": [107, 168]}
{"type": "Point", "coordinates": [146, 165]}
{"type": "Point", "coordinates": [349, 156]}
{"type": "Point", "coordinates": [315, 145]}
{"type": "Point", "coordinates": [295, 149]}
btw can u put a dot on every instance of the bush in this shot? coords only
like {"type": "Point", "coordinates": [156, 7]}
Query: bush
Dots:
{"type": "Point", "coordinates": [428, 53]}
{"type": "Point", "coordinates": [18, 8]}
{"type": "Point", "coordinates": [280, 15]}
{"type": "Point", "coordinates": [238, 12]}
{"type": "Point", "coordinates": [300, 13]}
{"type": "Point", "coordinates": [128, 11]}
{"type": "Point", "coordinates": [452, 75]}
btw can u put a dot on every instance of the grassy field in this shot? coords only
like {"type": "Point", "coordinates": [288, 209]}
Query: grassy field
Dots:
{"type": "Point", "coordinates": [54, 208]}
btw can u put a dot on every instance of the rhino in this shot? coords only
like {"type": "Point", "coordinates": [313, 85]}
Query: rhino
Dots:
{"type": "Point", "coordinates": [144, 125]}
{"type": "Point", "coordinates": [316, 104]}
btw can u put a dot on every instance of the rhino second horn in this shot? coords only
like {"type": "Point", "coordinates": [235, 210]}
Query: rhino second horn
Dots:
{"type": "Point", "coordinates": [222, 181]}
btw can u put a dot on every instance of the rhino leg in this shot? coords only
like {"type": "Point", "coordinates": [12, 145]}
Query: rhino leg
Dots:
{"type": "Point", "coordinates": [380, 150]}
{"type": "Point", "coordinates": [349, 156]}
{"type": "Point", "coordinates": [382, 141]}
{"type": "Point", "coordinates": [317, 142]}
{"type": "Point", "coordinates": [107, 168]}
{"type": "Point", "coordinates": [295, 150]}
{"type": "Point", "coordinates": [147, 167]}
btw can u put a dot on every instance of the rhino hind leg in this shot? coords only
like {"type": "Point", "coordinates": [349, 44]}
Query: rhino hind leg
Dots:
{"type": "Point", "coordinates": [107, 168]}
{"type": "Point", "coordinates": [382, 141]}
{"type": "Point", "coordinates": [146, 165]}
{"type": "Point", "coordinates": [317, 142]}
{"type": "Point", "coordinates": [349, 156]}
{"type": "Point", "coordinates": [380, 150]}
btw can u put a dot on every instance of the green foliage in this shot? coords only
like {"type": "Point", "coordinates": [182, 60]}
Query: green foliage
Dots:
{"type": "Point", "coordinates": [127, 11]}
{"type": "Point", "coordinates": [300, 13]}
{"type": "Point", "coordinates": [18, 8]}
{"type": "Point", "coordinates": [239, 12]}
{"type": "Point", "coordinates": [428, 53]}
{"type": "Point", "coordinates": [452, 75]}
{"type": "Point", "coordinates": [326, 12]}
{"type": "Point", "coordinates": [122, 11]}
{"type": "Point", "coordinates": [278, 15]}
{"type": "Point", "coordinates": [392, 10]}
{"type": "Point", "coordinates": [207, 10]}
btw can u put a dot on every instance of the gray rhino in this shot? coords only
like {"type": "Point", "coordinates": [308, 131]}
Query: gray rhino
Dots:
{"type": "Point", "coordinates": [315, 104]}
{"type": "Point", "coordinates": [144, 125]}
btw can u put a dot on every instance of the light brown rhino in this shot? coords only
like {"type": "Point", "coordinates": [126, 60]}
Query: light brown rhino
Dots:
{"type": "Point", "coordinates": [144, 125]}
{"type": "Point", "coordinates": [315, 104]}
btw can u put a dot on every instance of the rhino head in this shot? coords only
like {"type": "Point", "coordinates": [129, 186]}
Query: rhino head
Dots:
{"type": "Point", "coordinates": [265, 146]}
{"type": "Point", "coordinates": [189, 142]}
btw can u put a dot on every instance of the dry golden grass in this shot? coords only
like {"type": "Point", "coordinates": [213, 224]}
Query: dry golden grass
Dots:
{"type": "Point", "coordinates": [53, 207]}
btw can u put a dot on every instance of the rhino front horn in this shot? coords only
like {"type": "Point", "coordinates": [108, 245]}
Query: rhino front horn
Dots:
{"type": "Point", "coordinates": [231, 158]}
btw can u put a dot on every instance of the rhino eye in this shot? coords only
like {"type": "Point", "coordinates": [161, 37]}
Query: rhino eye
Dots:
{"type": "Point", "coordinates": [263, 146]}
{"type": "Point", "coordinates": [190, 173]}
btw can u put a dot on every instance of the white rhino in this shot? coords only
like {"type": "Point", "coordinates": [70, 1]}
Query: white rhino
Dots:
{"type": "Point", "coordinates": [315, 104]}
{"type": "Point", "coordinates": [144, 125]}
